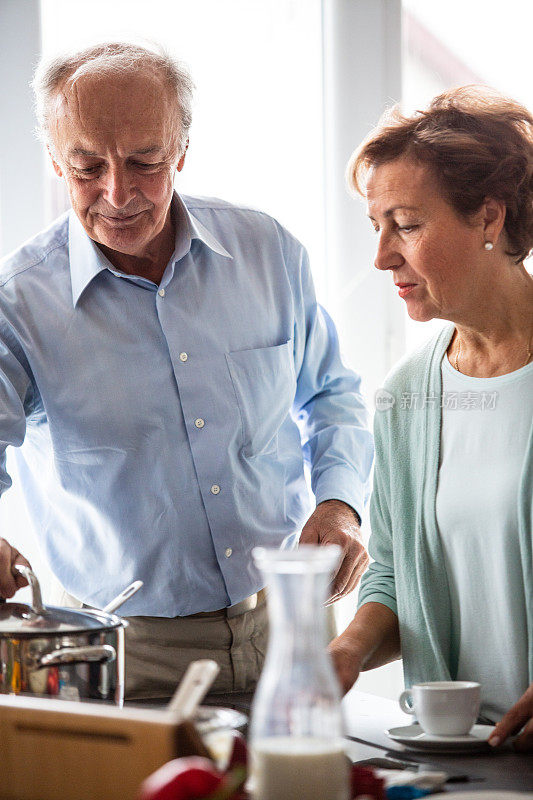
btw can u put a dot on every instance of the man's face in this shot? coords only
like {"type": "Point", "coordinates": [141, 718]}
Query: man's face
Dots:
{"type": "Point", "coordinates": [116, 144]}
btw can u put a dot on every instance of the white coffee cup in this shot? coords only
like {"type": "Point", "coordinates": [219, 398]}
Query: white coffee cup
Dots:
{"type": "Point", "coordinates": [443, 708]}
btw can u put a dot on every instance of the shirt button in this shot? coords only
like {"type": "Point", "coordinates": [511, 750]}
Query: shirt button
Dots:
{"type": "Point", "coordinates": [228, 551]}
{"type": "Point", "coordinates": [199, 424]}
{"type": "Point", "coordinates": [215, 488]}
{"type": "Point", "coordinates": [183, 356]}
{"type": "Point", "coordinates": [161, 293]}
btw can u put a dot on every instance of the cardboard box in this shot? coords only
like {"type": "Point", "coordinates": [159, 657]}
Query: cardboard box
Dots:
{"type": "Point", "coordinates": [61, 750]}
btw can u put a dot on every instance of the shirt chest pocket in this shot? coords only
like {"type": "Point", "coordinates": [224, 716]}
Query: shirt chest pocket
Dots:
{"type": "Point", "coordinates": [265, 385]}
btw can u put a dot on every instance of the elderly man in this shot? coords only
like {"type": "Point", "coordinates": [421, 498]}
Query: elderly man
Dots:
{"type": "Point", "coordinates": [169, 371]}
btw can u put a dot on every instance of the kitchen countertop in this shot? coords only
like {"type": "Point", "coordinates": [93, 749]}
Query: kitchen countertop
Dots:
{"type": "Point", "coordinates": [367, 717]}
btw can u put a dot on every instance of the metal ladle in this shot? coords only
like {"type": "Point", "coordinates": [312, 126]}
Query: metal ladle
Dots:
{"type": "Point", "coordinates": [128, 592]}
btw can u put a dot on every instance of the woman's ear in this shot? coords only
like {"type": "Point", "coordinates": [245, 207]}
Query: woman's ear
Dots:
{"type": "Point", "coordinates": [492, 215]}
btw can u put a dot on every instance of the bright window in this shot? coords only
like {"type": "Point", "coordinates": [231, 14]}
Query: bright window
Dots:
{"type": "Point", "coordinates": [256, 136]}
{"type": "Point", "coordinates": [454, 43]}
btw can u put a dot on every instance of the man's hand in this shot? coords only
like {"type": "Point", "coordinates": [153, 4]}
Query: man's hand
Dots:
{"type": "Point", "coordinates": [518, 717]}
{"type": "Point", "coordinates": [335, 522]}
{"type": "Point", "coordinates": [10, 583]}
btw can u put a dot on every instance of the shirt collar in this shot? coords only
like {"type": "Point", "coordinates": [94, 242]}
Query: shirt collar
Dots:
{"type": "Point", "coordinates": [87, 260]}
{"type": "Point", "coordinates": [189, 228]}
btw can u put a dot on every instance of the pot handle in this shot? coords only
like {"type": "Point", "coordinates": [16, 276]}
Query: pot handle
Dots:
{"type": "Point", "coordinates": [36, 597]}
{"type": "Point", "coordinates": [102, 654]}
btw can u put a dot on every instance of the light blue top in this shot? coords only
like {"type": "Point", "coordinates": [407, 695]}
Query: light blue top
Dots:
{"type": "Point", "coordinates": [409, 573]}
{"type": "Point", "coordinates": [165, 428]}
{"type": "Point", "coordinates": [484, 435]}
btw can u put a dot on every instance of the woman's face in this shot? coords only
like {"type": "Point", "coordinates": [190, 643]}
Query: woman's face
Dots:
{"type": "Point", "coordinates": [436, 258]}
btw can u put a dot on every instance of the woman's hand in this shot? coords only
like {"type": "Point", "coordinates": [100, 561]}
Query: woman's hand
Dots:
{"type": "Point", "coordinates": [345, 662]}
{"type": "Point", "coordinates": [371, 639]}
{"type": "Point", "coordinates": [518, 717]}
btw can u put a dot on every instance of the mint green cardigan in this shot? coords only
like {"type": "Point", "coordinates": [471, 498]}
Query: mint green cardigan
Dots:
{"type": "Point", "coordinates": [408, 574]}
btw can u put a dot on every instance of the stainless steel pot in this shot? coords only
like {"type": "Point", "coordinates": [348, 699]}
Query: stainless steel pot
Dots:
{"type": "Point", "coordinates": [60, 652]}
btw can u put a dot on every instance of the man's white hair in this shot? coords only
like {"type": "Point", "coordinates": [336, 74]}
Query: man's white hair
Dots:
{"type": "Point", "coordinates": [111, 58]}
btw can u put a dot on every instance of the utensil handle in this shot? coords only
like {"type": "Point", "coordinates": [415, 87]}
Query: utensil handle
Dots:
{"type": "Point", "coordinates": [193, 687]}
{"type": "Point", "coordinates": [36, 597]}
{"type": "Point", "coordinates": [128, 592]}
{"type": "Point", "coordinates": [78, 655]}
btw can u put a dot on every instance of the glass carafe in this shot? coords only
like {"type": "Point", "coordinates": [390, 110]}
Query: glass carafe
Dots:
{"type": "Point", "coordinates": [296, 725]}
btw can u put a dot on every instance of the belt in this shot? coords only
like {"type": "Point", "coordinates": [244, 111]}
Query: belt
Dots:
{"type": "Point", "coordinates": [248, 604]}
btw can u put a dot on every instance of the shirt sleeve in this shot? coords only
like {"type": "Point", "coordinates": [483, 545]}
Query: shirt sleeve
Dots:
{"type": "Point", "coordinates": [328, 407]}
{"type": "Point", "coordinates": [16, 392]}
{"type": "Point", "coordinates": [378, 584]}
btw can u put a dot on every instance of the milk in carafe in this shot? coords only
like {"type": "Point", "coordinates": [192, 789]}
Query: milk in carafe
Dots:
{"type": "Point", "coordinates": [299, 768]}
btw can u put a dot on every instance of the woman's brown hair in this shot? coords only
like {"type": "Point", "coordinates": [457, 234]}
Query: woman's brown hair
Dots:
{"type": "Point", "coordinates": [478, 144]}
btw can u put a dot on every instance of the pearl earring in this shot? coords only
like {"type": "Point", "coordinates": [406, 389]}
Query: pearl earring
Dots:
{"type": "Point", "coordinates": [488, 246]}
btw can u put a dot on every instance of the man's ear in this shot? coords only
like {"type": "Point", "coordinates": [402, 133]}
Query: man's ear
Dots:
{"type": "Point", "coordinates": [181, 162]}
{"type": "Point", "coordinates": [57, 169]}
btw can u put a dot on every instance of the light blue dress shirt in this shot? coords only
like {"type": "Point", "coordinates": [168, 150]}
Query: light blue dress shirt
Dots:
{"type": "Point", "coordinates": [164, 429]}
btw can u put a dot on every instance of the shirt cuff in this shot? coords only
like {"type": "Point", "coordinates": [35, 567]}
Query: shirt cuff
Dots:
{"type": "Point", "coordinates": [340, 483]}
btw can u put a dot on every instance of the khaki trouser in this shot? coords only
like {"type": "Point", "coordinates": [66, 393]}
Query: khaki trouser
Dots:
{"type": "Point", "coordinates": [159, 650]}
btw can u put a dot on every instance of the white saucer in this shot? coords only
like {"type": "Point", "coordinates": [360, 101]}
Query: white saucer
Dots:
{"type": "Point", "coordinates": [413, 736]}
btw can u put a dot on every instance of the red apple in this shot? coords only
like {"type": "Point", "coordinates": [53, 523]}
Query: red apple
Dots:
{"type": "Point", "coordinates": [364, 781]}
{"type": "Point", "coordinates": [232, 785]}
{"type": "Point", "coordinates": [238, 750]}
{"type": "Point", "coordinates": [182, 779]}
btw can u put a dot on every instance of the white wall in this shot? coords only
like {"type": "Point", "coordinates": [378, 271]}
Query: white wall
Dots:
{"type": "Point", "coordinates": [362, 76]}
{"type": "Point", "coordinates": [23, 193]}
{"type": "Point", "coordinates": [22, 179]}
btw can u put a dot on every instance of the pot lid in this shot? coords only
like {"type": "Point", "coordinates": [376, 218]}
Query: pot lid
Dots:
{"type": "Point", "coordinates": [19, 619]}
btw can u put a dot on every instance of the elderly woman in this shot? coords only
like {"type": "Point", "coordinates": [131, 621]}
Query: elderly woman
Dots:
{"type": "Point", "coordinates": [449, 194]}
